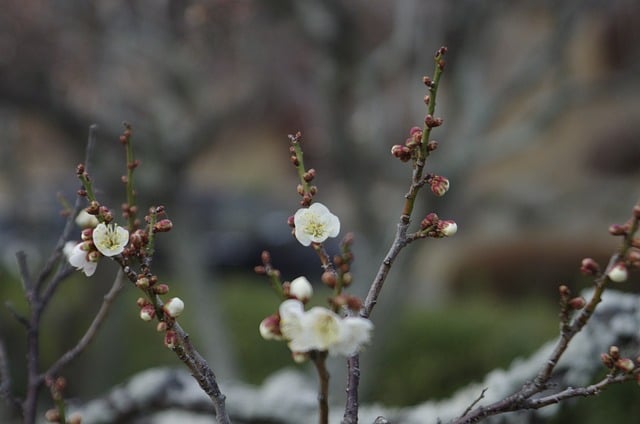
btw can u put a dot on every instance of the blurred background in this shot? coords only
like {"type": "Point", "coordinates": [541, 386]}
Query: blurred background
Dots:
{"type": "Point", "coordinates": [541, 143]}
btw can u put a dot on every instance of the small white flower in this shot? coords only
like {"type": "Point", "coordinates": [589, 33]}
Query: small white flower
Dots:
{"type": "Point", "coordinates": [86, 220]}
{"type": "Point", "coordinates": [110, 239]}
{"type": "Point", "coordinates": [301, 289]}
{"type": "Point", "coordinates": [315, 224]}
{"type": "Point", "coordinates": [174, 307]}
{"type": "Point", "coordinates": [79, 258]}
{"type": "Point", "coordinates": [618, 273]}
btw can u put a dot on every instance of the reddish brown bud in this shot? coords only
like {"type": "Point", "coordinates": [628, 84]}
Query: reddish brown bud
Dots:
{"type": "Point", "coordinates": [564, 291]}
{"type": "Point", "coordinates": [162, 326]}
{"type": "Point", "coordinates": [81, 192]}
{"type": "Point", "coordinates": [636, 212]}
{"type": "Point", "coordinates": [617, 230]}
{"type": "Point", "coordinates": [347, 278]}
{"type": "Point", "coordinates": [309, 175]}
{"type": "Point", "coordinates": [432, 122]}
{"type": "Point", "coordinates": [260, 270]}
{"type": "Point", "coordinates": [170, 339]}
{"type": "Point", "coordinates": [294, 160]}
{"type": "Point", "coordinates": [329, 279]}
{"type": "Point", "coordinates": [161, 289]}
{"type": "Point", "coordinates": [163, 226]}
{"type": "Point", "coordinates": [80, 169]}
{"type": "Point", "coordinates": [606, 360]}
{"type": "Point", "coordinates": [614, 352]}
{"type": "Point", "coordinates": [429, 220]}
{"type": "Point", "coordinates": [300, 189]}
{"type": "Point", "coordinates": [432, 145]}
{"type": "Point", "coordinates": [265, 256]}
{"type": "Point", "coordinates": [401, 152]}
{"type": "Point", "coordinates": [589, 267]}
{"type": "Point", "coordinates": [141, 301]}
{"type": "Point", "coordinates": [577, 303]}
{"type": "Point", "coordinates": [93, 208]}
{"type": "Point", "coordinates": [427, 99]}
{"type": "Point", "coordinates": [426, 80]}
{"type": "Point", "coordinates": [291, 222]}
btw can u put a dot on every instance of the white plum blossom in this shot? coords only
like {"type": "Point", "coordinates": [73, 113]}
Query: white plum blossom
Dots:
{"type": "Point", "coordinates": [110, 239]}
{"type": "Point", "coordinates": [315, 224]}
{"type": "Point", "coordinates": [322, 329]}
{"type": "Point", "coordinates": [79, 258]}
{"type": "Point", "coordinates": [301, 289]}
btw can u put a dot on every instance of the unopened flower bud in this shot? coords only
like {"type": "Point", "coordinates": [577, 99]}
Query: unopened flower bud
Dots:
{"type": "Point", "coordinates": [564, 291]}
{"type": "Point", "coordinates": [163, 226]}
{"type": "Point", "coordinates": [161, 289]}
{"type": "Point", "coordinates": [618, 273]}
{"type": "Point", "coordinates": [142, 283]}
{"type": "Point", "coordinates": [607, 360]}
{"type": "Point", "coordinates": [625, 364]}
{"type": "Point", "coordinates": [432, 122]}
{"type": "Point", "coordinates": [432, 145]}
{"type": "Point", "coordinates": [329, 278]}
{"type": "Point", "coordinates": [429, 220]}
{"type": "Point", "coordinates": [309, 175]}
{"type": "Point", "coordinates": [301, 289]}
{"type": "Point", "coordinates": [447, 228]}
{"type": "Point", "coordinates": [87, 233]}
{"type": "Point", "coordinates": [614, 352]}
{"type": "Point", "coordinates": [270, 328]}
{"type": "Point", "coordinates": [265, 256]}
{"type": "Point", "coordinates": [426, 80]}
{"type": "Point", "coordinates": [617, 230]}
{"type": "Point", "coordinates": [93, 256]}
{"type": "Point", "coordinates": [147, 313]}
{"type": "Point", "coordinates": [161, 327]}
{"type": "Point", "coordinates": [439, 185]}
{"type": "Point", "coordinates": [52, 415]}
{"type": "Point", "coordinates": [401, 152]}
{"type": "Point", "coordinates": [80, 169]}
{"type": "Point", "coordinates": [170, 339]}
{"type": "Point", "coordinates": [577, 303]}
{"type": "Point", "coordinates": [636, 212]}
{"type": "Point", "coordinates": [589, 267]}
{"type": "Point", "coordinates": [347, 278]}
{"type": "Point", "coordinates": [174, 307]}
{"type": "Point", "coordinates": [142, 302]}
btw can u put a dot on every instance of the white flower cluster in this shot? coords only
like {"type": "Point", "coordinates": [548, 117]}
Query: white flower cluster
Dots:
{"type": "Point", "coordinates": [322, 329]}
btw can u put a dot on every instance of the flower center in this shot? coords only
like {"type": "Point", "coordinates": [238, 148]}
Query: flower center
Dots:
{"type": "Point", "coordinates": [315, 227]}
{"type": "Point", "coordinates": [111, 238]}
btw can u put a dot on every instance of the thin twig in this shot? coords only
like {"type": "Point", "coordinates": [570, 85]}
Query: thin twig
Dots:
{"type": "Point", "coordinates": [91, 332]}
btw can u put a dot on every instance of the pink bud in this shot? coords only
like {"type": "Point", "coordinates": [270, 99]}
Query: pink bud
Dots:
{"type": "Point", "coordinates": [439, 185]}
{"type": "Point", "coordinates": [147, 313]}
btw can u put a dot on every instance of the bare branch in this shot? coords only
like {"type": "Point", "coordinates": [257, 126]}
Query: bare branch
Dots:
{"type": "Point", "coordinates": [91, 332]}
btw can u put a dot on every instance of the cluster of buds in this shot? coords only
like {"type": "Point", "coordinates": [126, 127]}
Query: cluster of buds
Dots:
{"type": "Point", "coordinates": [434, 227]}
{"type": "Point", "coordinates": [569, 303]}
{"type": "Point", "coordinates": [409, 150]}
{"type": "Point", "coordinates": [613, 361]}
{"type": "Point", "coordinates": [168, 313]}
{"type": "Point", "coordinates": [305, 189]}
{"type": "Point", "coordinates": [57, 387]}
{"type": "Point", "coordinates": [341, 273]}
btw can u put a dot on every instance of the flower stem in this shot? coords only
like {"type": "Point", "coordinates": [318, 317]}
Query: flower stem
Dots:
{"type": "Point", "coordinates": [319, 359]}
